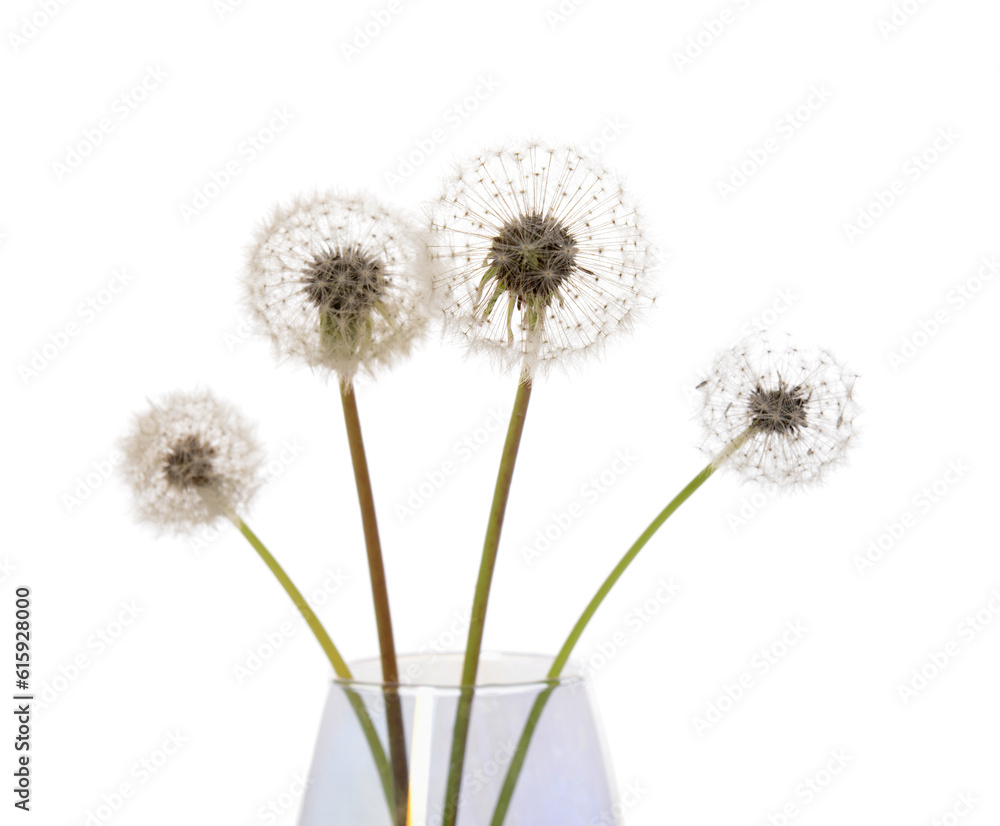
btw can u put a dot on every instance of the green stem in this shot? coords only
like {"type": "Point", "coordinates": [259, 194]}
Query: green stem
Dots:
{"type": "Point", "coordinates": [339, 666]}
{"type": "Point", "coordinates": [477, 621]}
{"type": "Point", "coordinates": [574, 636]}
{"type": "Point", "coordinates": [380, 596]}
{"type": "Point", "coordinates": [514, 770]}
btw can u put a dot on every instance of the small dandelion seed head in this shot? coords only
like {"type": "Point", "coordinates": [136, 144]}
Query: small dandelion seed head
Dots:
{"type": "Point", "coordinates": [537, 256]}
{"type": "Point", "coordinates": [335, 281]}
{"type": "Point", "coordinates": [794, 405]}
{"type": "Point", "coordinates": [189, 460]}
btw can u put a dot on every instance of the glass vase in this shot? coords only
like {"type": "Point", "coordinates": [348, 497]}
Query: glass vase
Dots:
{"type": "Point", "coordinates": [565, 778]}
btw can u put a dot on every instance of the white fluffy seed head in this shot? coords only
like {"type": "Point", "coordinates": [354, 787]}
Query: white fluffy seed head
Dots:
{"type": "Point", "coordinates": [336, 281]}
{"type": "Point", "coordinates": [189, 460]}
{"type": "Point", "coordinates": [795, 405]}
{"type": "Point", "coordinates": [538, 256]}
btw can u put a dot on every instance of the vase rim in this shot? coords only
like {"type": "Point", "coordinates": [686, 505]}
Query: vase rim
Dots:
{"type": "Point", "coordinates": [572, 673]}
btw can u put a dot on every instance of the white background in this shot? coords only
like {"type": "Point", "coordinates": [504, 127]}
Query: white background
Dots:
{"type": "Point", "coordinates": [674, 129]}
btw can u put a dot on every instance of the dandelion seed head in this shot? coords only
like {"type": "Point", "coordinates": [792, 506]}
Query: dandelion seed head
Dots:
{"type": "Point", "coordinates": [336, 282]}
{"type": "Point", "coordinates": [344, 282]}
{"type": "Point", "coordinates": [188, 463]}
{"type": "Point", "coordinates": [794, 405]}
{"type": "Point", "coordinates": [190, 459]}
{"type": "Point", "coordinates": [779, 411]}
{"type": "Point", "coordinates": [537, 256]}
{"type": "Point", "coordinates": [531, 257]}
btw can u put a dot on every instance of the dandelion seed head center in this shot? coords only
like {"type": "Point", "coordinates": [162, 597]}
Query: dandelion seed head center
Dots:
{"type": "Point", "coordinates": [188, 463]}
{"type": "Point", "coordinates": [532, 256]}
{"type": "Point", "coordinates": [343, 282]}
{"type": "Point", "coordinates": [781, 411]}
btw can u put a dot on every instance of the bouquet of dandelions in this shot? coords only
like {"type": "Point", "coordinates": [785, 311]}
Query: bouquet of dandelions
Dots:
{"type": "Point", "coordinates": [534, 257]}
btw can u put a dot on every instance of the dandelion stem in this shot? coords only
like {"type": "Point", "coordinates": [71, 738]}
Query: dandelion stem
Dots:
{"type": "Point", "coordinates": [477, 621]}
{"type": "Point", "coordinates": [380, 596]}
{"type": "Point", "coordinates": [517, 761]}
{"type": "Point", "coordinates": [339, 666]}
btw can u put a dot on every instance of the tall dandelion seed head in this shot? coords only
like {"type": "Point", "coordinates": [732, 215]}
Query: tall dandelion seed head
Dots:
{"type": "Point", "coordinates": [538, 256]}
{"type": "Point", "coordinates": [336, 281]}
{"type": "Point", "coordinates": [795, 406]}
{"type": "Point", "coordinates": [189, 460]}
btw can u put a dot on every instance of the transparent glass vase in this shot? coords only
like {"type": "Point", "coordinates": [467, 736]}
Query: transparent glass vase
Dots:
{"type": "Point", "coordinates": [565, 780]}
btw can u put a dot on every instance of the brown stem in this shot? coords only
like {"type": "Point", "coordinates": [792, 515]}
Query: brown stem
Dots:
{"type": "Point", "coordinates": [380, 595]}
